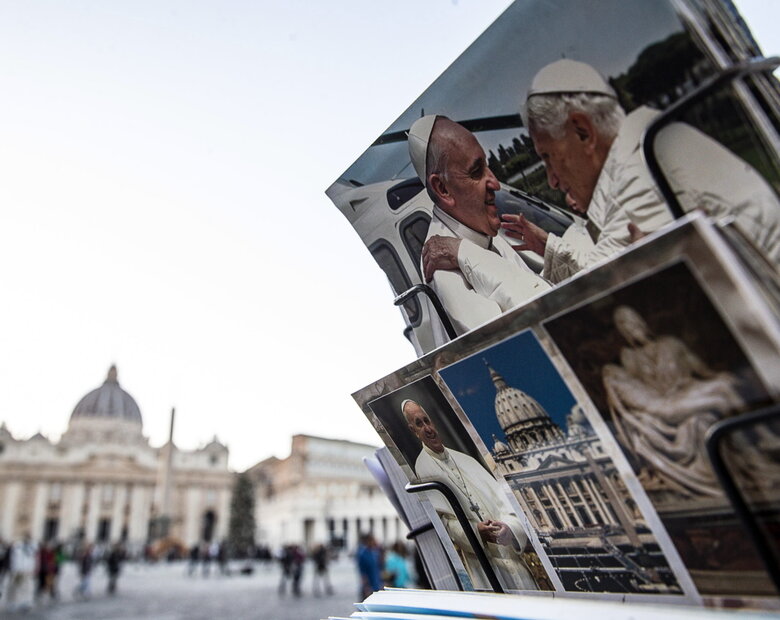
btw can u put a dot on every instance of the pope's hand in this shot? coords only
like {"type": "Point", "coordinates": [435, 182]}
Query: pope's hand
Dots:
{"type": "Point", "coordinates": [439, 253]}
{"type": "Point", "coordinates": [495, 531]}
{"type": "Point", "coordinates": [487, 530]}
{"type": "Point", "coordinates": [503, 533]}
{"type": "Point", "coordinates": [634, 233]}
{"type": "Point", "coordinates": [517, 227]}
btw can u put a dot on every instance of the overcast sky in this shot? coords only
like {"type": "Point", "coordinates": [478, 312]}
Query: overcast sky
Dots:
{"type": "Point", "coordinates": [162, 176]}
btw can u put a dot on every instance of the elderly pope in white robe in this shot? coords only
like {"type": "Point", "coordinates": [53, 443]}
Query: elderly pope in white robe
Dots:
{"type": "Point", "coordinates": [480, 496]}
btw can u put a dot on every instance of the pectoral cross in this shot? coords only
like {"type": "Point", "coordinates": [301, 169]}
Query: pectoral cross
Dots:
{"type": "Point", "coordinates": [475, 509]}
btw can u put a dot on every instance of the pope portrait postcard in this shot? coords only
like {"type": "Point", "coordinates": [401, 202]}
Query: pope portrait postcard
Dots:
{"type": "Point", "coordinates": [434, 446]}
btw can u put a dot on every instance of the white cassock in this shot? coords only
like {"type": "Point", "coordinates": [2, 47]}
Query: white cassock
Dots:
{"type": "Point", "coordinates": [702, 173]}
{"type": "Point", "coordinates": [482, 499]}
{"type": "Point", "coordinates": [491, 278]}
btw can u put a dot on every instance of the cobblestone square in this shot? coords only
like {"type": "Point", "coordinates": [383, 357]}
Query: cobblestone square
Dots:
{"type": "Point", "coordinates": [166, 592]}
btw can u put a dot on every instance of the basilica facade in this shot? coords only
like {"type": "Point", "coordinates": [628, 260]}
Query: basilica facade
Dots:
{"type": "Point", "coordinates": [321, 493]}
{"type": "Point", "coordinates": [573, 496]}
{"type": "Point", "coordinates": [103, 482]}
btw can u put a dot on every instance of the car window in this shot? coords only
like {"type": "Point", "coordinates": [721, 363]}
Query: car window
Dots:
{"type": "Point", "coordinates": [414, 230]}
{"type": "Point", "coordinates": [403, 192]}
{"type": "Point", "coordinates": [388, 260]}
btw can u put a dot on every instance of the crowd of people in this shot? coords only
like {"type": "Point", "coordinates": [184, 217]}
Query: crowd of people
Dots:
{"type": "Point", "coordinates": [384, 566]}
{"type": "Point", "coordinates": [377, 567]}
{"type": "Point", "coordinates": [30, 572]}
{"type": "Point", "coordinates": [207, 554]}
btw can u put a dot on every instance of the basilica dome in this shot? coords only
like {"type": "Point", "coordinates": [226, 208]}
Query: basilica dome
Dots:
{"type": "Point", "coordinates": [513, 406]}
{"type": "Point", "coordinates": [108, 402]}
{"type": "Point", "coordinates": [525, 423]}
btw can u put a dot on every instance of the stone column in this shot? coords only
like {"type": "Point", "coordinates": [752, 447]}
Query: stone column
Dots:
{"type": "Point", "coordinates": [557, 506]}
{"type": "Point", "coordinates": [38, 513]}
{"type": "Point", "coordinates": [603, 509]}
{"type": "Point", "coordinates": [565, 497]}
{"type": "Point", "coordinates": [522, 499]}
{"type": "Point", "coordinates": [118, 512]}
{"type": "Point", "coordinates": [626, 521]}
{"type": "Point", "coordinates": [93, 512]}
{"type": "Point", "coordinates": [621, 511]}
{"type": "Point", "coordinates": [223, 514]}
{"type": "Point", "coordinates": [72, 502]}
{"type": "Point", "coordinates": [140, 507]}
{"type": "Point", "coordinates": [167, 484]}
{"type": "Point", "coordinates": [345, 532]}
{"type": "Point", "coordinates": [11, 497]}
{"type": "Point", "coordinates": [360, 528]}
{"type": "Point", "coordinates": [545, 522]}
{"type": "Point", "coordinates": [192, 501]}
{"type": "Point", "coordinates": [586, 506]}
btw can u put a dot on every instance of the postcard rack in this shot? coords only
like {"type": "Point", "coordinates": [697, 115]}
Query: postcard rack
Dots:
{"type": "Point", "coordinates": [426, 290]}
{"type": "Point", "coordinates": [673, 112]}
{"type": "Point", "coordinates": [463, 520]}
{"type": "Point", "coordinates": [714, 441]}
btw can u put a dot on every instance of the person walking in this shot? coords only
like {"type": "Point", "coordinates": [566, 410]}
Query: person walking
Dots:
{"type": "Point", "coordinates": [369, 563]}
{"type": "Point", "coordinates": [285, 561]}
{"type": "Point", "coordinates": [59, 560]}
{"type": "Point", "coordinates": [21, 589]}
{"type": "Point", "coordinates": [222, 558]}
{"type": "Point", "coordinates": [321, 559]}
{"type": "Point", "coordinates": [114, 566]}
{"type": "Point", "coordinates": [298, 558]}
{"type": "Point", "coordinates": [86, 561]}
{"type": "Point", "coordinates": [46, 569]}
{"type": "Point", "coordinates": [194, 557]}
{"type": "Point", "coordinates": [5, 561]}
{"type": "Point", "coordinates": [205, 559]}
{"type": "Point", "coordinates": [396, 572]}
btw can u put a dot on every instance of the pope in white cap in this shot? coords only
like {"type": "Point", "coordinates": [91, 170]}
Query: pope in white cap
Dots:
{"type": "Point", "coordinates": [481, 498]}
{"type": "Point", "coordinates": [476, 274]}
{"type": "Point", "coordinates": [569, 76]}
{"type": "Point", "coordinates": [419, 136]}
{"type": "Point", "coordinates": [592, 152]}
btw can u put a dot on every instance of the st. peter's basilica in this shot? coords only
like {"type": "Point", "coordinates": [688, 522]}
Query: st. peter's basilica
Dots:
{"type": "Point", "coordinates": [103, 482]}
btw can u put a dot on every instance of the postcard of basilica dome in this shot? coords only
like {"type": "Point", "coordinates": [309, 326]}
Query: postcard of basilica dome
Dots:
{"type": "Point", "coordinates": [562, 474]}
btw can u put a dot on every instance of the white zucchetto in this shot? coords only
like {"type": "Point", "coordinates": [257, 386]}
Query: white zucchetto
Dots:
{"type": "Point", "coordinates": [419, 135]}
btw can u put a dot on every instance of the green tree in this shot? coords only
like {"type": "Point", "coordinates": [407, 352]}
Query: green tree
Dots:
{"type": "Point", "coordinates": [241, 532]}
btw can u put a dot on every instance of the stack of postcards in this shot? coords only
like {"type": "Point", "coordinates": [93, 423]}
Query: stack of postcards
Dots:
{"type": "Point", "coordinates": [425, 527]}
{"type": "Point", "coordinates": [395, 604]}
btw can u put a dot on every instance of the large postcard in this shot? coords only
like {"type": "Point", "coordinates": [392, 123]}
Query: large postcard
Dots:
{"type": "Point", "coordinates": [589, 524]}
{"type": "Point", "coordinates": [662, 366]}
{"type": "Point", "coordinates": [433, 445]}
{"type": "Point", "coordinates": [572, 168]}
